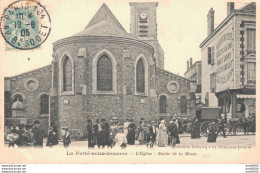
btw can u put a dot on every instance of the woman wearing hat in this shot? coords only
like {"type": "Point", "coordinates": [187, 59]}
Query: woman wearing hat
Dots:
{"type": "Point", "coordinates": [131, 133]}
{"type": "Point", "coordinates": [113, 130]}
{"type": "Point", "coordinates": [162, 134]}
{"type": "Point", "coordinates": [142, 127]}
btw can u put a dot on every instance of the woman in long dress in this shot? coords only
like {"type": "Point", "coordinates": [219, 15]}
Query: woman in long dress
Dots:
{"type": "Point", "coordinates": [142, 130]}
{"type": "Point", "coordinates": [162, 134]}
{"type": "Point", "coordinates": [131, 133]}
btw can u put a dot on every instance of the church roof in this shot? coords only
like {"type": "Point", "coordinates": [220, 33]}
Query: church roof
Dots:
{"type": "Point", "coordinates": [104, 23]}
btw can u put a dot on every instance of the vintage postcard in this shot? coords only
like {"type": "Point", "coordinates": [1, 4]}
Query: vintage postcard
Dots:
{"type": "Point", "coordinates": [117, 81]}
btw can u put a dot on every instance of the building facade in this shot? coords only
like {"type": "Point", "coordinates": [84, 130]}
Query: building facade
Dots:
{"type": "Point", "coordinates": [101, 72]}
{"type": "Point", "coordinates": [228, 59]}
{"type": "Point", "coordinates": [193, 73]}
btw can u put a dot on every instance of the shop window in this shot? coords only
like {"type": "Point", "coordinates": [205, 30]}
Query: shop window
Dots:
{"type": "Point", "coordinates": [240, 108]}
{"type": "Point", "coordinates": [163, 104]}
{"type": "Point", "coordinates": [251, 40]}
{"type": "Point", "coordinates": [251, 73]}
{"type": "Point", "coordinates": [183, 104]}
{"type": "Point", "coordinates": [44, 104]}
{"type": "Point", "coordinates": [104, 74]}
{"type": "Point", "coordinates": [67, 74]}
{"type": "Point", "coordinates": [140, 76]}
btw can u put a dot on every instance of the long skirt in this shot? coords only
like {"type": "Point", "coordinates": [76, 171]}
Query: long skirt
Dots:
{"type": "Point", "coordinates": [212, 137]}
{"type": "Point", "coordinates": [131, 137]}
{"type": "Point", "coordinates": [141, 137]}
{"type": "Point", "coordinates": [194, 133]}
{"type": "Point", "coordinates": [162, 139]}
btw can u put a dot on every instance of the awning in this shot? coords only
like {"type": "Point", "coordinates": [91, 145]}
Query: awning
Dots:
{"type": "Point", "coordinates": [243, 96]}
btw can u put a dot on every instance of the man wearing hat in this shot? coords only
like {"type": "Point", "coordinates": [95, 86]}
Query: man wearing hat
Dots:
{"type": "Point", "coordinates": [99, 133]}
{"type": "Point", "coordinates": [172, 131]}
{"type": "Point", "coordinates": [90, 134]}
{"type": "Point", "coordinates": [106, 128]}
{"type": "Point", "coordinates": [38, 135]}
{"type": "Point", "coordinates": [152, 133]}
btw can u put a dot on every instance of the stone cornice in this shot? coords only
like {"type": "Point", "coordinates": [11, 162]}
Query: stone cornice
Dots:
{"type": "Point", "coordinates": [101, 39]}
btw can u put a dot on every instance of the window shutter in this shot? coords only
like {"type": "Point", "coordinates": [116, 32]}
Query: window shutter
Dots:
{"type": "Point", "coordinates": [209, 55]}
{"type": "Point", "coordinates": [251, 40]}
{"type": "Point", "coordinates": [212, 56]}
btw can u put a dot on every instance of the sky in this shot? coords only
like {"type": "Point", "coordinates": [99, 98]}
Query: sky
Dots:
{"type": "Point", "coordinates": [182, 26]}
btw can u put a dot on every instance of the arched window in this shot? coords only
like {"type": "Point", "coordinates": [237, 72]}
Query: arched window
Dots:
{"type": "Point", "coordinates": [183, 104]}
{"type": "Point", "coordinates": [104, 74]}
{"type": "Point", "coordinates": [44, 104]}
{"type": "Point", "coordinates": [162, 104]}
{"type": "Point", "coordinates": [17, 109]}
{"type": "Point", "coordinates": [67, 74]}
{"type": "Point", "coordinates": [140, 76]}
{"type": "Point", "coordinates": [18, 97]}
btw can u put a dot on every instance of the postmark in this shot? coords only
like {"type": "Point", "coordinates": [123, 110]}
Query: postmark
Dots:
{"type": "Point", "coordinates": [25, 24]}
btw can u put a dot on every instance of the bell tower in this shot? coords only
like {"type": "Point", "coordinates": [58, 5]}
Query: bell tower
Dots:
{"type": "Point", "coordinates": [143, 20]}
{"type": "Point", "coordinates": [144, 27]}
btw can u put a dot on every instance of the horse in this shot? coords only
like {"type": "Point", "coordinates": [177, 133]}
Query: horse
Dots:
{"type": "Point", "coordinates": [248, 125]}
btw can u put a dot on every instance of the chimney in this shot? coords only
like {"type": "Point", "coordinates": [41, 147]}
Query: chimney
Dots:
{"type": "Point", "coordinates": [188, 65]}
{"type": "Point", "coordinates": [230, 8]}
{"type": "Point", "coordinates": [190, 62]}
{"type": "Point", "coordinates": [210, 21]}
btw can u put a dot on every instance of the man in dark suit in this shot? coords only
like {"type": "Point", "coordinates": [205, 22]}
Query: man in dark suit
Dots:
{"type": "Point", "coordinates": [99, 133]}
{"type": "Point", "coordinates": [106, 129]}
{"type": "Point", "coordinates": [172, 131]}
{"type": "Point", "coordinates": [38, 135]}
{"type": "Point", "coordinates": [91, 135]}
{"type": "Point", "coordinates": [221, 127]}
{"type": "Point", "coordinates": [152, 133]}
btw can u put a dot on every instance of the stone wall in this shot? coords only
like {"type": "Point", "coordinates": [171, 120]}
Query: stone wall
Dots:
{"type": "Point", "coordinates": [76, 108]}
{"type": "Point", "coordinates": [173, 99]}
{"type": "Point", "coordinates": [30, 85]}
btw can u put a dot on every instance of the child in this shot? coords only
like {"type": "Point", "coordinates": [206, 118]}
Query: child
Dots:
{"type": "Point", "coordinates": [66, 137]}
{"type": "Point", "coordinates": [120, 138]}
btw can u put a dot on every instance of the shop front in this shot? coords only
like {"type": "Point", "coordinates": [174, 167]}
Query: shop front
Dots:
{"type": "Point", "coordinates": [237, 103]}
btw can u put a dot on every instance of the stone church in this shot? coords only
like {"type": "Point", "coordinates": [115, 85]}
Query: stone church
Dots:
{"type": "Point", "coordinates": [101, 72]}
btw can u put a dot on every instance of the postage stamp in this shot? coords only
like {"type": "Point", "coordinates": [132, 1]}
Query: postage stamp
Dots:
{"type": "Point", "coordinates": [25, 24]}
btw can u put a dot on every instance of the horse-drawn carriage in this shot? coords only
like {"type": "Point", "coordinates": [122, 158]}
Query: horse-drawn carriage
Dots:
{"type": "Point", "coordinates": [206, 116]}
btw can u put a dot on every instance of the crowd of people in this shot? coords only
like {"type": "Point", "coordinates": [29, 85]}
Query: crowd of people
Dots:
{"type": "Point", "coordinates": [103, 134]}
{"type": "Point", "coordinates": [113, 134]}
{"type": "Point", "coordinates": [31, 135]}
